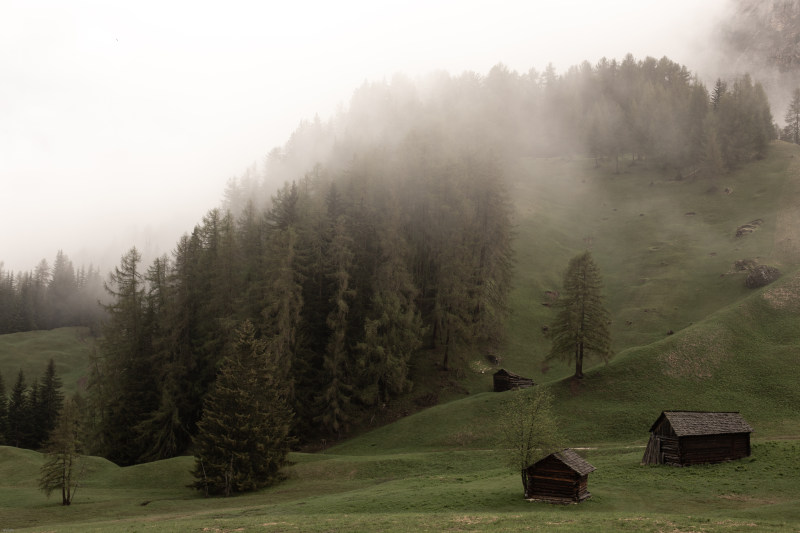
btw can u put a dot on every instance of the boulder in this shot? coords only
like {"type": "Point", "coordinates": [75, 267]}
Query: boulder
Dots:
{"type": "Point", "coordinates": [761, 275]}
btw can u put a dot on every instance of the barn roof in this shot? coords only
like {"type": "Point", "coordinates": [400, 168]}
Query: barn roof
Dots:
{"type": "Point", "coordinates": [689, 423]}
{"type": "Point", "coordinates": [571, 459]}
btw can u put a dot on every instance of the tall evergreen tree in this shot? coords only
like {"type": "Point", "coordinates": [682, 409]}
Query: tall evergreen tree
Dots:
{"type": "Point", "coordinates": [792, 118]}
{"type": "Point", "coordinates": [50, 401]}
{"type": "Point", "coordinates": [61, 292]}
{"type": "Point", "coordinates": [581, 326]}
{"type": "Point", "coordinates": [19, 414]}
{"type": "Point", "coordinates": [3, 413]}
{"type": "Point", "coordinates": [393, 331]}
{"type": "Point", "coordinates": [128, 391]}
{"type": "Point", "coordinates": [334, 400]}
{"type": "Point", "coordinates": [243, 437]}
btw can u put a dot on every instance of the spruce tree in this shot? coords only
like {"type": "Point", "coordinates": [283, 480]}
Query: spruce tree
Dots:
{"type": "Point", "coordinates": [19, 415]}
{"type": "Point", "coordinates": [393, 329]}
{"type": "Point", "coordinates": [128, 387]}
{"type": "Point", "coordinates": [243, 436]}
{"type": "Point", "coordinates": [334, 402]}
{"type": "Point", "coordinates": [792, 118]}
{"type": "Point", "coordinates": [3, 413]}
{"type": "Point", "coordinates": [581, 326]}
{"type": "Point", "coordinates": [50, 401]}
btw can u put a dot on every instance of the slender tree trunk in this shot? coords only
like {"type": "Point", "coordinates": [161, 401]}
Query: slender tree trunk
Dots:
{"type": "Point", "coordinates": [446, 351]}
{"type": "Point", "coordinates": [579, 361]}
{"type": "Point", "coordinates": [524, 474]}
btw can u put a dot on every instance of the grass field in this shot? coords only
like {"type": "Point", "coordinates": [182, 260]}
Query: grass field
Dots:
{"type": "Point", "coordinates": [69, 348]}
{"type": "Point", "coordinates": [428, 491]}
{"type": "Point", "coordinates": [666, 250]}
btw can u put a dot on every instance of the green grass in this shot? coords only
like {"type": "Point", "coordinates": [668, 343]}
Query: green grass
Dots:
{"type": "Point", "coordinates": [666, 250]}
{"type": "Point", "coordinates": [465, 491]}
{"type": "Point", "coordinates": [69, 348]}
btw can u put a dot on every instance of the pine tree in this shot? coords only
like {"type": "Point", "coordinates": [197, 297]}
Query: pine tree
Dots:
{"type": "Point", "coordinates": [162, 433]}
{"type": "Point", "coordinates": [128, 388]}
{"type": "Point", "coordinates": [393, 330]}
{"type": "Point", "coordinates": [334, 402]}
{"type": "Point", "coordinates": [720, 88]}
{"type": "Point", "coordinates": [792, 118]}
{"type": "Point", "coordinates": [60, 470]}
{"type": "Point", "coordinates": [19, 414]}
{"type": "Point", "coordinates": [61, 292]}
{"type": "Point", "coordinates": [243, 437]}
{"type": "Point", "coordinates": [581, 326]}
{"type": "Point", "coordinates": [3, 413]}
{"type": "Point", "coordinates": [50, 402]}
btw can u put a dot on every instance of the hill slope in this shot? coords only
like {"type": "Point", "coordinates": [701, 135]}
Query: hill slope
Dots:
{"type": "Point", "coordinates": [666, 248]}
{"type": "Point", "coordinates": [69, 348]}
{"type": "Point", "coordinates": [733, 349]}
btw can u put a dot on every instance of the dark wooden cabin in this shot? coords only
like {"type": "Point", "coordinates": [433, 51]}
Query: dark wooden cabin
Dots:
{"type": "Point", "coordinates": [561, 477]}
{"type": "Point", "coordinates": [683, 438]}
{"type": "Point", "coordinates": [505, 380]}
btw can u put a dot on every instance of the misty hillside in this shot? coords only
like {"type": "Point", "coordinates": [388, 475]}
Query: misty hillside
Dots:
{"type": "Point", "coordinates": [422, 229]}
{"type": "Point", "coordinates": [765, 32]}
{"type": "Point", "coordinates": [761, 37]}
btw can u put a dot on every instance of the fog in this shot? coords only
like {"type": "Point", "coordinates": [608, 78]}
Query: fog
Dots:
{"type": "Point", "coordinates": [121, 124]}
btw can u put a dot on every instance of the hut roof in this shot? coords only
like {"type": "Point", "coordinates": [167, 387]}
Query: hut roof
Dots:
{"type": "Point", "coordinates": [689, 423]}
{"type": "Point", "coordinates": [571, 459]}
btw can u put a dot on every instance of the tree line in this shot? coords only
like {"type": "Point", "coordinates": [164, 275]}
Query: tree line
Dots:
{"type": "Point", "coordinates": [344, 278]}
{"type": "Point", "coordinates": [29, 413]}
{"type": "Point", "coordinates": [50, 297]}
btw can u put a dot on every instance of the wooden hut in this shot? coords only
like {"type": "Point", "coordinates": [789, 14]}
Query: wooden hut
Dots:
{"type": "Point", "coordinates": [684, 438]}
{"type": "Point", "coordinates": [561, 477]}
{"type": "Point", "coordinates": [505, 380]}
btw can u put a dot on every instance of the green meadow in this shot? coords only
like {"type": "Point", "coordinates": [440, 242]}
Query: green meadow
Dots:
{"type": "Point", "coordinates": [687, 334]}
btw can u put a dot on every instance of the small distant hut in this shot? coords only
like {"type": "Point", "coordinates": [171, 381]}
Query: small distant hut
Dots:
{"type": "Point", "coordinates": [683, 438]}
{"type": "Point", "coordinates": [561, 477]}
{"type": "Point", "coordinates": [505, 380]}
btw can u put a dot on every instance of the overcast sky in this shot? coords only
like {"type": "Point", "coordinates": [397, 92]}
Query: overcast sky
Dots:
{"type": "Point", "coordinates": [121, 122]}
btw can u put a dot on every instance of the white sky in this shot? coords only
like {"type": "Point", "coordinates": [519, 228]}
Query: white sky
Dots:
{"type": "Point", "coordinates": [121, 122]}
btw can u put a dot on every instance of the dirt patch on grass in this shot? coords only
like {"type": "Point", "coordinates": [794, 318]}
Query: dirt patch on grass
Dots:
{"type": "Point", "coordinates": [472, 520]}
{"type": "Point", "coordinates": [748, 499]}
{"type": "Point", "coordinates": [694, 356]}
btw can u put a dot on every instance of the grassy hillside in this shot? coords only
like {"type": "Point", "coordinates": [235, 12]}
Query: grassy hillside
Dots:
{"type": "Point", "coordinates": [421, 491]}
{"type": "Point", "coordinates": [69, 348]}
{"type": "Point", "coordinates": [666, 249]}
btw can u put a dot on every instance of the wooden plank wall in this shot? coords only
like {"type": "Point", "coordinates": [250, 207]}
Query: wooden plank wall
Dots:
{"type": "Point", "coordinates": [713, 448]}
{"type": "Point", "coordinates": [552, 480]}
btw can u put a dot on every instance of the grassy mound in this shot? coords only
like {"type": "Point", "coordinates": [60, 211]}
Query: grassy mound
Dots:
{"type": "Point", "coordinates": [69, 348]}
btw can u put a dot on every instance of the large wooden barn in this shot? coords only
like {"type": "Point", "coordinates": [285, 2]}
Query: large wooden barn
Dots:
{"type": "Point", "coordinates": [504, 380]}
{"type": "Point", "coordinates": [561, 477]}
{"type": "Point", "coordinates": [684, 438]}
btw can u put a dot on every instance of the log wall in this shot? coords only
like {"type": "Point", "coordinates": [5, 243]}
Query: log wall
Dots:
{"type": "Point", "coordinates": [553, 481]}
{"type": "Point", "coordinates": [713, 448]}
